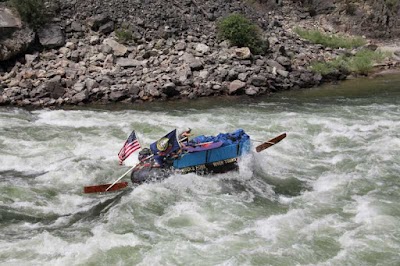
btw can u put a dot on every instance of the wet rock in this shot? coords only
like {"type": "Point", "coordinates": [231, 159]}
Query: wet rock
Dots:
{"type": "Point", "coordinates": [251, 91]}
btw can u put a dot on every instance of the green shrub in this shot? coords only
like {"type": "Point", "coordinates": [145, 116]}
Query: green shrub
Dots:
{"type": "Point", "coordinates": [333, 41]}
{"type": "Point", "coordinates": [32, 12]}
{"type": "Point", "coordinates": [391, 4]}
{"type": "Point", "coordinates": [242, 33]}
{"type": "Point", "coordinates": [123, 35]}
{"type": "Point", "coordinates": [361, 63]}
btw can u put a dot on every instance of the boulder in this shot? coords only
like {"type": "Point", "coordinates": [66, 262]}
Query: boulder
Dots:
{"type": "Point", "coordinates": [169, 89]}
{"type": "Point", "coordinates": [116, 96]}
{"type": "Point", "coordinates": [51, 36]}
{"type": "Point", "coordinates": [117, 48]}
{"type": "Point", "coordinates": [97, 21]}
{"type": "Point", "coordinates": [17, 43]}
{"type": "Point", "coordinates": [8, 22]}
{"type": "Point", "coordinates": [236, 87]}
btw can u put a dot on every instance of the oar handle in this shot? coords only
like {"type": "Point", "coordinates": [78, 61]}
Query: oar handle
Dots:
{"type": "Point", "coordinates": [130, 169]}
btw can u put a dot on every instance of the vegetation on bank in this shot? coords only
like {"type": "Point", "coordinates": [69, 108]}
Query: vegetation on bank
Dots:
{"type": "Point", "coordinates": [32, 12]}
{"type": "Point", "coordinates": [327, 40]}
{"type": "Point", "coordinates": [123, 35]}
{"type": "Point", "coordinates": [242, 32]}
{"type": "Point", "coordinates": [361, 63]}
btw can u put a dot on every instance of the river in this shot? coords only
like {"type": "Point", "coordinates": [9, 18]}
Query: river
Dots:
{"type": "Point", "coordinates": [328, 194]}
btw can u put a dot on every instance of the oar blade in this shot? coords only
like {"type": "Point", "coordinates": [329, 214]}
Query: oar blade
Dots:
{"type": "Point", "coordinates": [103, 188]}
{"type": "Point", "coordinates": [270, 142]}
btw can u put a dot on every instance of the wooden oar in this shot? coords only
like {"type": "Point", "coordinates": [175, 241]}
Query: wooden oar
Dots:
{"type": "Point", "coordinates": [103, 188]}
{"type": "Point", "coordinates": [114, 186]}
{"type": "Point", "coordinates": [270, 142]}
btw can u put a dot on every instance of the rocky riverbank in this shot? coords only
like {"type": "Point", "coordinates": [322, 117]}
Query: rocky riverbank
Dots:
{"type": "Point", "coordinates": [174, 53]}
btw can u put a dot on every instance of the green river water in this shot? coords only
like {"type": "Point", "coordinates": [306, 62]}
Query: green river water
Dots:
{"type": "Point", "coordinates": [328, 194]}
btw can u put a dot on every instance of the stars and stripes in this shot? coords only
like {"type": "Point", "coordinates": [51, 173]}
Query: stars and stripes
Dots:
{"type": "Point", "coordinates": [131, 144]}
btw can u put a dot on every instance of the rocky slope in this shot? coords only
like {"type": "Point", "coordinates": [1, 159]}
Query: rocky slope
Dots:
{"type": "Point", "coordinates": [174, 53]}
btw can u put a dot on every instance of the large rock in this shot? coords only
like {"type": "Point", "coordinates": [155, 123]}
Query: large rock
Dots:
{"type": "Point", "coordinates": [236, 87]}
{"type": "Point", "coordinates": [126, 62]}
{"type": "Point", "coordinates": [97, 21]}
{"type": "Point", "coordinates": [51, 36]}
{"type": "Point", "coordinates": [8, 22]}
{"type": "Point", "coordinates": [118, 49]}
{"type": "Point", "coordinates": [16, 44]}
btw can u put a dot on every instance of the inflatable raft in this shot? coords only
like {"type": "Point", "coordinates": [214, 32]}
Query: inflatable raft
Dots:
{"type": "Point", "coordinates": [202, 155]}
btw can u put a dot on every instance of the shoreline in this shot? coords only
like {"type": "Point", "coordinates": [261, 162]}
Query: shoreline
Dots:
{"type": "Point", "coordinates": [86, 64]}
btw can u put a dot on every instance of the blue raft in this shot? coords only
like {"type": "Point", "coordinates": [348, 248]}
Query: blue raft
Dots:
{"type": "Point", "coordinates": [203, 155]}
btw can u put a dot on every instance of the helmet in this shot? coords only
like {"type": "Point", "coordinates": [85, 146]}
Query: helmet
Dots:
{"type": "Point", "coordinates": [143, 154]}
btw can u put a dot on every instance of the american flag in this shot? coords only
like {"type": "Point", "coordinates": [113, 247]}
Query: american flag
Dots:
{"type": "Point", "coordinates": [131, 144]}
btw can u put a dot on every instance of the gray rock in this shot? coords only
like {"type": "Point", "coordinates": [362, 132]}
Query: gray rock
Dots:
{"type": "Point", "coordinates": [284, 61]}
{"type": "Point", "coordinates": [258, 81]}
{"type": "Point", "coordinates": [75, 56]}
{"type": "Point", "coordinates": [8, 22]}
{"type": "Point", "coordinates": [152, 90]}
{"type": "Point", "coordinates": [251, 91]}
{"type": "Point", "coordinates": [80, 97]}
{"type": "Point", "coordinates": [96, 21]}
{"type": "Point", "coordinates": [118, 49]}
{"type": "Point", "coordinates": [275, 64]}
{"type": "Point", "coordinates": [94, 40]}
{"type": "Point", "coordinates": [196, 64]}
{"type": "Point", "coordinates": [242, 76]}
{"type": "Point", "coordinates": [283, 73]}
{"type": "Point", "coordinates": [236, 87]}
{"type": "Point", "coordinates": [202, 48]}
{"type": "Point", "coordinates": [126, 62]}
{"type": "Point", "coordinates": [204, 74]}
{"type": "Point", "coordinates": [79, 86]}
{"type": "Point", "coordinates": [31, 58]}
{"type": "Point", "coordinates": [243, 53]}
{"type": "Point", "coordinates": [180, 46]}
{"type": "Point", "coordinates": [116, 96]}
{"type": "Point", "coordinates": [107, 28]}
{"type": "Point", "coordinates": [51, 36]}
{"type": "Point", "coordinates": [169, 89]}
{"type": "Point", "coordinates": [91, 84]}
{"type": "Point", "coordinates": [16, 43]}
{"type": "Point", "coordinates": [76, 27]}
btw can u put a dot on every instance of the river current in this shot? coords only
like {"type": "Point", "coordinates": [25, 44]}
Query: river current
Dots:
{"type": "Point", "coordinates": [328, 194]}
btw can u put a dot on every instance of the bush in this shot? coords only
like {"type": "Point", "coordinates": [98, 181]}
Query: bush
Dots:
{"type": "Point", "coordinates": [333, 41]}
{"type": "Point", "coordinates": [242, 33]}
{"type": "Point", "coordinates": [361, 63]}
{"type": "Point", "coordinates": [123, 35]}
{"type": "Point", "coordinates": [32, 12]}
